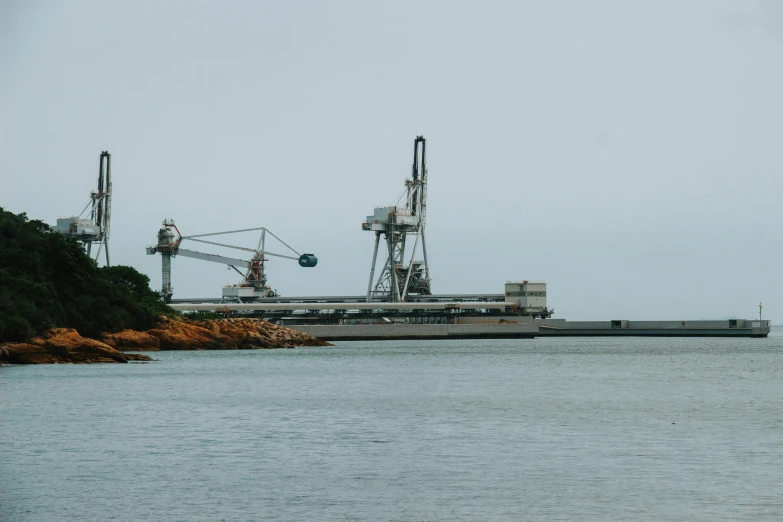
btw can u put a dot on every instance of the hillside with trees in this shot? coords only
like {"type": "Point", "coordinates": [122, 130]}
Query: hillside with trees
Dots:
{"type": "Point", "coordinates": [47, 281]}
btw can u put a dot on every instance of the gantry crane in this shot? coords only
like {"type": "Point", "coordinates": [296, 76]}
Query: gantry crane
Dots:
{"type": "Point", "coordinates": [254, 281]}
{"type": "Point", "coordinates": [94, 229]}
{"type": "Point", "coordinates": [398, 280]}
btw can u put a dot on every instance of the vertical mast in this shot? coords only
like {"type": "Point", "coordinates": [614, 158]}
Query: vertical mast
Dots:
{"type": "Point", "coordinates": [106, 225]}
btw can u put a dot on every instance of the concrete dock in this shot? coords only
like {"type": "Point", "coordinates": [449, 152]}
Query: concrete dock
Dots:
{"type": "Point", "coordinates": [460, 320]}
{"type": "Point", "coordinates": [724, 328]}
{"type": "Point", "coordinates": [388, 332]}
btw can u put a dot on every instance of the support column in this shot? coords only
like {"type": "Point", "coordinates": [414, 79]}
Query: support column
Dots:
{"type": "Point", "coordinates": [410, 269]}
{"type": "Point", "coordinates": [424, 250]}
{"type": "Point", "coordinates": [372, 267]}
{"type": "Point", "coordinates": [394, 291]}
{"type": "Point", "coordinates": [166, 290]}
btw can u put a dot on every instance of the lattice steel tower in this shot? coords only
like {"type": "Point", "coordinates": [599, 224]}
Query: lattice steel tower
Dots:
{"type": "Point", "coordinates": [95, 229]}
{"type": "Point", "coordinates": [398, 280]}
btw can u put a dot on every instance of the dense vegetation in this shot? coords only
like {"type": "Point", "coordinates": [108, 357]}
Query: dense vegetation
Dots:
{"type": "Point", "coordinates": [47, 280]}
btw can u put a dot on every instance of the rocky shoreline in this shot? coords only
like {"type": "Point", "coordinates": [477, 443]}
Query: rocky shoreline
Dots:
{"type": "Point", "coordinates": [65, 345]}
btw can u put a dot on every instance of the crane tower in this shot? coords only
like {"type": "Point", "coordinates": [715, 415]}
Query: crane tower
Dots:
{"type": "Point", "coordinates": [95, 229]}
{"type": "Point", "coordinates": [396, 223]}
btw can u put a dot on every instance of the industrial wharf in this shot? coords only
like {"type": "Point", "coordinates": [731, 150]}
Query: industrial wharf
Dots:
{"type": "Point", "coordinates": [399, 302]}
{"type": "Point", "coordinates": [352, 318]}
{"type": "Point", "coordinates": [470, 316]}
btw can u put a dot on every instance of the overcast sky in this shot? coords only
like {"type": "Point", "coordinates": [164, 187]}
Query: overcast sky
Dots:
{"type": "Point", "coordinates": [627, 153]}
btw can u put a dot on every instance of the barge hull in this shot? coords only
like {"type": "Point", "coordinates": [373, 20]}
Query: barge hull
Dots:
{"type": "Point", "coordinates": [510, 330]}
{"type": "Point", "coordinates": [394, 332]}
{"type": "Point", "coordinates": [553, 332]}
{"type": "Point", "coordinates": [622, 328]}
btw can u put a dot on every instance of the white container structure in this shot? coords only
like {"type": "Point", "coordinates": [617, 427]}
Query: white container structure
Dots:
{"type": "Point", "coordinates": [529, 297]}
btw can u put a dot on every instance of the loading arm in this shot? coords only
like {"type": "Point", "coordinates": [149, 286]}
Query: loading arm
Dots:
{"type": "Point", "coordinates": [213, 257]}
{"type": "Point", "coordinates": [168, 246]}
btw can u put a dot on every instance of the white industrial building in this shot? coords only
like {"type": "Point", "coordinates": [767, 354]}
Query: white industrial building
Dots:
{"type": "Point", "coordinates": [530, 297]}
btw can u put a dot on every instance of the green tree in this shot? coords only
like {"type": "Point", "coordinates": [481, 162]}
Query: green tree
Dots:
{"type": "Point", "coordinates": [47, 280]}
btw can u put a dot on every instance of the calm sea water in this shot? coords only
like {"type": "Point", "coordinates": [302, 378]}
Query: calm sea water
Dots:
{"type": "Point", "coordinates": [544, 429]}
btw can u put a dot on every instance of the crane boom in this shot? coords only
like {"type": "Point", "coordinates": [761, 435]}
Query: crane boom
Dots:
{"type": "Point", "coordinates": [263, 252]}
{"type": "Point", "coordinates": [212, 257]}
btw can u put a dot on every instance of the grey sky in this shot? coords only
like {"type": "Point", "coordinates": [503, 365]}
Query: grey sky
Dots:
{"type": "Point", "coordinates": [627, 153]}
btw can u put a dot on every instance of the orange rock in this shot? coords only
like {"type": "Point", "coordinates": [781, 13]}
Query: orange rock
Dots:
{"type": "Point", "coordinates": [131, 339]}
{"type": "Point", "coordinates": [66, 345]}
{"type": "Point", "coordinates": [184, 335]}
{"type": "Point", "coordinates": [61, 345]}
{"type": "Point", "coordinates": [65, 341]}
{"type": "Point", "coordinates": [24, 353]}
{"type": "Point", "coordinates": [227, 334]}
{"type": "Point", "coordinates": [39, 358]}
